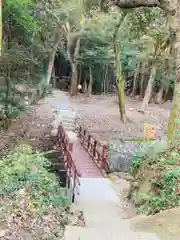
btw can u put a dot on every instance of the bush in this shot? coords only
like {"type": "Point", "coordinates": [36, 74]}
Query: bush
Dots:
{"type": "Point", "coordinates": [156, 184]}
{"type": "Point", "coordinates": [25, 171]}
{"type": "Point", "coordinates": [33, 205]}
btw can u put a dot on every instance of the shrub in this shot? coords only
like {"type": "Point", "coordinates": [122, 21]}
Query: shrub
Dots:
{"type": "Point", "coordinates": [26, 171]}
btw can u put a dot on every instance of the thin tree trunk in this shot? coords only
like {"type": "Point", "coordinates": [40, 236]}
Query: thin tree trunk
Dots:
{"type": "Point", "coordinates": [174, 119]}
{"type": "Point", "coordinates": [85, 86]}
{"type": "Point", "coordinates": [102, 81]}
{"type": "Point", "coordinates": [80, 75]}
{"type": "Point", "coordinates": [165, 94]}
{"type": "Point", "coordinates": [90, 82]}
{"type": "Point", "coordinates": [141, 95]}
{"type": "Point", "coordinates": [133, 94]}
{"type": "Point", "coordinates": [74, 80]}
{"type": "Point", "coordinates": [149, 88]}
{"type": "Point", "coordinates": [8, 93]}
{"type": "Point", "coordinates": [54, 79]}
{"type": "Point", "coordinates": [121, 97]}
{"type": "Point", "coordinates": [159, 96]}
{"type": "Point", "coordinates": [50, 66]}
{"type": "Point", "coordinates": [106, 80]}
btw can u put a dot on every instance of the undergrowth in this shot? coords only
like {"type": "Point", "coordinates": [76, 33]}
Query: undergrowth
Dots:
{"type": "Point", "coordinates": [28, 190]}
{"type": "Point", "coordinates": [158, 169]}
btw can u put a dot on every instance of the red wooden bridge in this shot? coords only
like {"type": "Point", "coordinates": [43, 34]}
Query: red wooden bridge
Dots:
{"type": "Point", "coordinates": [84, 157]}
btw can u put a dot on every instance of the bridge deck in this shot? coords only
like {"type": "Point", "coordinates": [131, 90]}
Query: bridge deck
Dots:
{"type": "Point", "coordinates": [83, 162]}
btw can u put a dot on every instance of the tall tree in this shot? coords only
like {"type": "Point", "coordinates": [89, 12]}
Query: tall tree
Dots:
{"type": "Point", "coordinates": [118, 67]}
{"type": "Point", "coordinates": [157, 42]}
{"type": "Point", "coordinates": [172, 9]}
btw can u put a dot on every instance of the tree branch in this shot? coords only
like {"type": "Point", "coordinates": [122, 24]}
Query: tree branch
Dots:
{"type": "Point", "coordinates": [136, 3]}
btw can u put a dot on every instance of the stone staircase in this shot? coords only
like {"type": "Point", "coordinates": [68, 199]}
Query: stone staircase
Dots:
{"type": "Point", "coordinates": [102, 215]}
{"type": "Point", "coordinates": [67, 119]}
{"type": "Point", "coordinates": [79, 233]}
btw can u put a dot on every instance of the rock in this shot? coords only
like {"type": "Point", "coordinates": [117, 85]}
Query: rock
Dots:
{"type": "Point", "coordinates": [2, 233]}
{"type": "Point", "coordinates": [58, 118]}
{"type": "Point", "coordinates": [121, 153]}
{"type": "Point", "coordinates": [54, 132]}
{"type": "Point", "coordinates": [136, 184]}
{"type": "Point", "coordinates": [129, 178]}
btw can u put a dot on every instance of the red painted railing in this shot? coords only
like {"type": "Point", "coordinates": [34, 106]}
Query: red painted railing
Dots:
{"type": "Point", "coordinates": [66, 147]}
{"type": "Point", "coordinates": [98, 151]}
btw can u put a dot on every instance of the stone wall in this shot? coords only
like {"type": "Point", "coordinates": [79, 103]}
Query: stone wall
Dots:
{"type": "Point", "coordinates": [121, 152]}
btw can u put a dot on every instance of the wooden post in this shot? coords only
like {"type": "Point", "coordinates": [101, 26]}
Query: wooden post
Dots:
{"type": "Point", "coordinates": [89, 139]}
{"type": "Point", "coordinates": [94, 149]}
{"type": "Point", "coordinates": [104, 158]}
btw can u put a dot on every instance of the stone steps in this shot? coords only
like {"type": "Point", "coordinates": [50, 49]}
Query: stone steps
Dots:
{"type": "Point", "coordinates": [97, 189]}
{"type": "Point", "coordinates": [102, 208]}
{"type": "Point", "coordinates": [68, 126]}
{"type": "Point", "coordinates": [80, 233]}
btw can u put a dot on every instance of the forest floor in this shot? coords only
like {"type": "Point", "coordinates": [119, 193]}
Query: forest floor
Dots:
{"type": "Point", "coordinates": [99, 113]}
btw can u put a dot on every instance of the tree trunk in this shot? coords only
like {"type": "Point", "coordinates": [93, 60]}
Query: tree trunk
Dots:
{"type": "Point", "coordinates": [90, 82]}
{"type": "Point", "coordinates": [85, 86]}
{"type": "Point", "coordinates": [50, 67]}
{"type": "Point", "coordinates": [106, 80]}
{"type": "Point", "coordinates": [141, 95]}
{"type": "Point", "coordinates": [149, 89]}
{"type": "Point", "coordinates": [74, 80]}
{"type": "Point", "coordinates": [118, 68]}
{"type": "Point", "coordinates": [121, 97]}
{"type": "Point", "coordinates": [166, 94]}
{"type": "Point", "coordinates": [174, 120]}
{"type": "Point", "coordinates": [8, 93]}
{"type": "Point", "coordinates": [133, 94]}
{"type": "Point", "coordinates": [102, 81]}
{"type": "Point", "coordinates": [80, 75]}
{"type": "Point", "coordinates": [159, 96]}
{"type": "Point", "coordinates": [74, 77]}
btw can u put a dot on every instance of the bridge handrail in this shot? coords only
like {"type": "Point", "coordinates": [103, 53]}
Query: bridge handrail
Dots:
{"type": "Point", "coordinates": [66, 146]}
{"type": "Point", "coordinates": [92, 145]}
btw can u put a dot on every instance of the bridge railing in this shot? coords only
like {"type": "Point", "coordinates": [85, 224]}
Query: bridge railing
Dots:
{"type": "Point", "coordinates": [97, 150]}
{"type": "Point", "coordinates": [66, 147]}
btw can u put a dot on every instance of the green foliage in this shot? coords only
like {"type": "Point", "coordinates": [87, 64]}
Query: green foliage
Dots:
{"type": "Point", "coordinates": [96, 51]}
{"type": "Point", "coordinates": [25, 170]}
{"type": "Point", "coordinates": [36, 29]}
{"type": "Point", "coordinates": [21, 19]}
{"type": "Point", "coordinates": [146, 152]}
{"type": "Point", "coordinates": [164, 190]}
